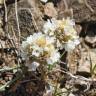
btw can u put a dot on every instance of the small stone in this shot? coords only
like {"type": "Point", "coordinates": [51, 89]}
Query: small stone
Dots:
{"type": "Point", "coordinates": [50, 11]}
{"type": "Point", "coordinates": [85, 67]}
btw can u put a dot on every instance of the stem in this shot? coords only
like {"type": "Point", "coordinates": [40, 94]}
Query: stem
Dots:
{"type": "Point", "coordinates": [8, 69]}
{"type": "Point", "coordinates": [55, 92]}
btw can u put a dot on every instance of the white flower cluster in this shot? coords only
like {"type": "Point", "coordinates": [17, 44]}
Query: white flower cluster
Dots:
{"type": "Point", "coordinates": [56, 34]}
{"type": "Point", "coordinates": [41, 45]}
{"type": "Point", "coordinates": [63, 31]}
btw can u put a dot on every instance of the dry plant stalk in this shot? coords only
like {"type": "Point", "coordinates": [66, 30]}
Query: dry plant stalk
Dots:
{"type": "Point", "coordinates": [18, 26]}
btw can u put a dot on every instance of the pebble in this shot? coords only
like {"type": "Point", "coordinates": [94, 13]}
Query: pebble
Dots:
{"type": "Point", "coordinates": [49, 10]}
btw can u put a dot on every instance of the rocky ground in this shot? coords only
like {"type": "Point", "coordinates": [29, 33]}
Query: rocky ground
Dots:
{"type": "Point", "coordinates": [32, 14]}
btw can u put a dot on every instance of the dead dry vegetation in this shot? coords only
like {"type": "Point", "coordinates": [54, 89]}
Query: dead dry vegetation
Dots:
{"type": "Point", "coordinates": [73, 75]}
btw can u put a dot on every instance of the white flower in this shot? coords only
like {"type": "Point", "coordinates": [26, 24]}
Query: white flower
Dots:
{"type": "Point", "coordinates": [59, 45]}
{"type": "Point", "coordinates": [24, 55]}
{"type": "Point", "coordinates": [70, 45]}
{"type": "Point", "coordinates": [70, 22]}
{"type": "Point", "coordinates": [24, 45]}
{"type": "Point", "coordinates": [76, 41]}
{"type": "Point", "coordinates": [50, 40]}
{"type": "Point", "coordinates": [36, 53]}
{"type": "Point", "coordinates": [49, 90]}
{"type": "Point", "coordinates": [63, 29]}
{"type": "Point", "coordinates": [55, 57]}
{"type": "Point", "coordinates": [49, 27]}
{"type": "Point", "coordinates": [33, 66]}
{"type": "Point", "coordinates": [44, 1]}
{"type": "Point", "coordinates": [40, 44]}
{"type": "Point", "coordinates": [36, 50]}
{"type": "Point", "coordinates": [29, 39]}
{"type": "Point", "coordinates": [68, 26]}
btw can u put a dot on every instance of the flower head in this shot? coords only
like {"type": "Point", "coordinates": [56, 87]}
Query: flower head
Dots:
{"type": "Point", "coordinates": [50, 26]}
{"type": "Point", "coordinates": [55, 56]}
{"type": "Point", "coordinates": [70, 45]}
{"type": "Point", "coordinates": [39, 45]}
{"type": "Point", "coordinates": [62, 30]}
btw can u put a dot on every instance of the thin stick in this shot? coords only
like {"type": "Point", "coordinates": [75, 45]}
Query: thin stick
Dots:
{"type": "Point", "coordinates": [1, 48]}
{"type": "Point", "coordinates": [73, 76]}
{"type": "Point", "coordinates": [66, 5]}
{"type": "Point", "coordinates": [18, 26]}
{"type": "Point", "coordinates": [5, 11]}
{"type": "Point", "coordinates": [67, 9]}
{"type": "Point", "coordinates": [88, 6]}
